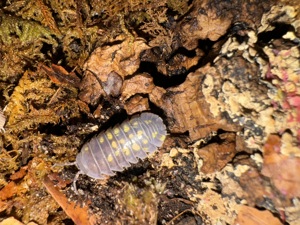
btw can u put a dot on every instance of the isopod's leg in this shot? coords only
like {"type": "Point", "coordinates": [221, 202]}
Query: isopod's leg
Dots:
{"type": "Point", "coordinates": [74, 182]}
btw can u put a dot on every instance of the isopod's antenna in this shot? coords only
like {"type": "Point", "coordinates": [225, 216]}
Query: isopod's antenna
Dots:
{"type": "Point", "coordinates": [76, 176]}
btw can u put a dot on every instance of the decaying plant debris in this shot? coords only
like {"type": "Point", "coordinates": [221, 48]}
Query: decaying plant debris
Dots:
{"type": "Point", "coordinates": [223, 75]}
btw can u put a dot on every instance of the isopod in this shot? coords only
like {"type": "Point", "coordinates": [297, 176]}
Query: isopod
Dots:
{"type": "Point", "coordinates": [119, 147]}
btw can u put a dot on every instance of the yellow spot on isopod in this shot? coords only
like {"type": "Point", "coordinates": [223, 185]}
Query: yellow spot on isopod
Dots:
{"type": "Point", "coordinates": [114, 144]}
{"type": "Point", "coordinates": [145, 141]}
{"type": "Point", "coordinates": [86, 148]}
{"type": "Point", "coordinates": [101, 139]}
{"type": "Point", "coordinates": [131, 136]}
{"type": "Point", "coordinates": [117, 153]}
{"type": "Point", "coordinates": [122, 141]}
{"type": "Point", "coordinates": [116, 131]}
{"type": "Point", "coordinates": [126, 151]}
{"type": "Point", "coordinates": [162, 137]}
{"type": "Point", "coordinates": [135, 147]}
{"type": "Point", "coordinates": [135, 123]}
{"type": "Point", "coordinates": [126, 128]}
{"type": "Point", "coordinates": [140, 132]}
{"type": "Point", "coordinates": [110, 158]}
{"type": "Point", "coordinates": [147, 121]}
{"type": "Point", "coordinates": [109, 135]}
{"type": "Point", "coordinates": [154, 134]}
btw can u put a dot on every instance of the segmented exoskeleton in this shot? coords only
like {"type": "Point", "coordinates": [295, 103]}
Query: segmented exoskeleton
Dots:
{"type": "Point", "coordinates": [117, 147]}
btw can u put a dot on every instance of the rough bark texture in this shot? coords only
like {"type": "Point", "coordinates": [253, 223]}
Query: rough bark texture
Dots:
{"type": "Point", "coordinates": [223, 75]}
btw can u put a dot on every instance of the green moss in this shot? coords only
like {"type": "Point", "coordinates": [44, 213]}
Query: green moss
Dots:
{"type": "Point", "coordinates": [25, 31]}
{"type": "Point", "coordinates": [139, 206]}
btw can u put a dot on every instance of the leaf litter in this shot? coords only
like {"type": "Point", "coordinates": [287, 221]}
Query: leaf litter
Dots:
{"type": "Point", "coordinates": [224, 77]}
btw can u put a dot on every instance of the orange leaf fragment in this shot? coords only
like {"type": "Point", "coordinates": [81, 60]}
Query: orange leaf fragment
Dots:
{"type": "Point", "coordinates": [8, 191]}
{"type": "Point", "coordinates": [79, 215]}
{"type": "Point", "coordinates": [18, 175]}
{"type": "Point", "coordinates": [251, 216]}
{"type": "Point", "coordinates": [59, 75]}
{"type": "Point", "coordinates": [283, 170]}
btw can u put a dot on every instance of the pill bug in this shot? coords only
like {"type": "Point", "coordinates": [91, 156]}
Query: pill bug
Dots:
{"type": "Point", "coordinates": [118, 147]}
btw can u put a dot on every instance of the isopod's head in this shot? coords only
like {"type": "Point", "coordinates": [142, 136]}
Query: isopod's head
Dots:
{"type": "Point", "coordinates": [86, 163]}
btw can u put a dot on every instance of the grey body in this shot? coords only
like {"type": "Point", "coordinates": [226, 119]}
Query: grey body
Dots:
{"type": "Point", "coordinates": [118, 147]}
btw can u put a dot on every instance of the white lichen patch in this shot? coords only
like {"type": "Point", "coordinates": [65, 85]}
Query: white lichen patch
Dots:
{"type": "Point", "coordinates": [289, 147]}
{"type": "Point", "coordinates": [218, 209]}
{"type": "Point", "coordinates": [167, 161]}
{"type": "Point", "coordinates": [271, 103]}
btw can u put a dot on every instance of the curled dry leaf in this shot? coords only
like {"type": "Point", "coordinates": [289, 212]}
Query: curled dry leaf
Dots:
{"type": "Point", "coordinates": [107, 67]}
{"type": "Point", "coordinates": [178, 63]}
{"type": "Point", "coordinates": [139, 84]}
{"type": "Point", "coordinates": [216, 155]}
{"type": "Point", "coordinates": [60, 76]}
{"type": "Point", "coordinates": [204, 26]}
{"type": "Point", "coordinates": [187, 109]}
{"type": "Point", "coordinates": [18, 175]}
{"type": "Point", "coordinates": [282, 170]}
{"type": "Point", "coordinates": [136, 104]}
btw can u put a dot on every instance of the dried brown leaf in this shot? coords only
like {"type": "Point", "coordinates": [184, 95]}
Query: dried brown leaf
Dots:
{"type": "Point", "coordinates": [78, 214]}
{"type": "Point", "coordinates": [136, 104]}
{"type": "Point", "coordinates": [216, 155]}
{"type": "Point", "coordinates": [203, 26]}
{"type": "Point", "coordinates": [139, 84]}
{"type": "Point", "coordinates": [178, 64]}
{"type": "Point", "coordinates": [60, 76]}
{"type": "Point", "coordinates": [254, 186]}
{"type": "Point", "coordinates": [187, 109]}
{"type": "Point", "coordinates": [20, 174]}
{"type": "Point", "coordinates": [119, 60]}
